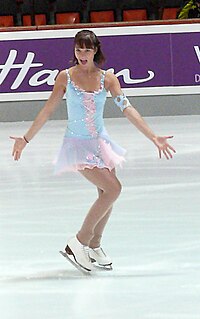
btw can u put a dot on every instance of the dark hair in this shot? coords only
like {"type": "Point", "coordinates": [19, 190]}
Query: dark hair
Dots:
{"type": "Point", "coordinates": [89, 39]}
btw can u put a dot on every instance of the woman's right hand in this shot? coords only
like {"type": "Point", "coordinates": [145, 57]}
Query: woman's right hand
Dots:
{"type": "Point", "coordinates": [18, 147]}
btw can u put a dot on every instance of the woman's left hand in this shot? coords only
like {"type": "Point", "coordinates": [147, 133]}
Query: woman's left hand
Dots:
{"type": "Point", "coordinates": [163, 146]}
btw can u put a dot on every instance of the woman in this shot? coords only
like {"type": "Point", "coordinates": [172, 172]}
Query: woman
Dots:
{"type": "Point", "coordinates": [87, 148]}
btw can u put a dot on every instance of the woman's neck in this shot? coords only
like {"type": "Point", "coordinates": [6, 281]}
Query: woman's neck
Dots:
{"type": "Point", "coordinates": [89, 70]}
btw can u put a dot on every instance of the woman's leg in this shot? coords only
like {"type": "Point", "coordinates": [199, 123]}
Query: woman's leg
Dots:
{"type": "Point", "coordinates": [98, 231]}
{"type": "Point", "coordinates": [110, 188]}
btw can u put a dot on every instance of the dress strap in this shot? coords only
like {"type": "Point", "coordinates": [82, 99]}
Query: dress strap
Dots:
{"type": "Point", "coordinates": [103, 78]}
{"type": "Point", "coordinates": [68, 76]}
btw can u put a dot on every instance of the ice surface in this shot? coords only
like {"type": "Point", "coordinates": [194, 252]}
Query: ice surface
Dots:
{"type": "Point", "coordinates": [153, 235]}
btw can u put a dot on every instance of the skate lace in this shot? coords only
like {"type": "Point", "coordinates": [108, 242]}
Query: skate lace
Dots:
{"type": "Point", "coordinates": [99, 251]}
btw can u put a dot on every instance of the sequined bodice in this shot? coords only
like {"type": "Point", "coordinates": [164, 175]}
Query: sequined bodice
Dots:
{"type": "Point", "coordinates": [85, 110]}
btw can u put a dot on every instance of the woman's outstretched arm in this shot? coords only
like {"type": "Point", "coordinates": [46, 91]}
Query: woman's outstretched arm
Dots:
{"type": "Point", "coordinates": [113, 85]}
{"type": "Point", "coordinates": [48, 109]}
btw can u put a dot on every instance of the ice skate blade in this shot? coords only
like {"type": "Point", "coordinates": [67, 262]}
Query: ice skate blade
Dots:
{"type": "Point", "coordinates": [81, 269]}
{"type": "Point", "coordinates": [106, 267]}
{"type": "Point", "coordinates": [103, 268]}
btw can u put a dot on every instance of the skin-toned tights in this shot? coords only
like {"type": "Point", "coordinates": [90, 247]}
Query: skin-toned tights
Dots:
{"type": "Point", "coordinates": [109, 189]}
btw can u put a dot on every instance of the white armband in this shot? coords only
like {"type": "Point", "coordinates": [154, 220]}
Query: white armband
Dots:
{"type": "Point", "coordinates": [122, 102]}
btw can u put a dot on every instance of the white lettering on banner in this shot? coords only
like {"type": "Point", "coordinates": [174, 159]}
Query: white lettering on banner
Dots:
{"type": "Point", "coordinates": [24, 68]}
{"type": "Point", "coordinates": [197, 51]}
{"type": "Point", "coordinates": [50, 80]}
{"type": "Point", "coordinates": [49, 75]}
{"type": "Point", "coordinates": [127, 79]}
{"type": "Point", "coordinates": [197, 78]}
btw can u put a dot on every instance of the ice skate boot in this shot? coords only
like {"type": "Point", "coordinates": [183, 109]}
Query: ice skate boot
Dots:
{"type": "Point", "coordinates": [98, 256]}
{"type": "Point", "coordinates": [78, 255]}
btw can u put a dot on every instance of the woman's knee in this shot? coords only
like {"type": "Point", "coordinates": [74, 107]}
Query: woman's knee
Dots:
{"type": "Point", "coordinates": [113, 189]}
{"type": "Point", "coordinates": [106, 183]}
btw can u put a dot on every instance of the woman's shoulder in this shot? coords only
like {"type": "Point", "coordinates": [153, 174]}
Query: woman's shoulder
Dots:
{"type": "Point", "coordinates": [62, 76]}
{"type": "Point", "coordinates": [110, 76]}
{"type": "Point", "coordinates": [71, 69]}
{"type": "Point", "coordinates": [110, 79]}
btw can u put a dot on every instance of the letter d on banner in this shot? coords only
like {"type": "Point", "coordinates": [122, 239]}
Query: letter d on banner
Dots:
{"type": "Point", "coordinates": [197, 78]}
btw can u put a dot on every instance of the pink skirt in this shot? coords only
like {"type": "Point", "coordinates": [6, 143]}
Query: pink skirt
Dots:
{"type": "Point", "coordinates": [78, 153]}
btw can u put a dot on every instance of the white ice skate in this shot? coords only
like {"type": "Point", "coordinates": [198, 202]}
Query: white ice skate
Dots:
{"type": "Point", "coordinates": [78, 255]}
{"type": "Point", "coordinates": [99, 257]}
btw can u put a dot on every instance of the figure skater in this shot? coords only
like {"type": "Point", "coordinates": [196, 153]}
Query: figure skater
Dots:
{"type": "Point", "coordinates": [87, 147]}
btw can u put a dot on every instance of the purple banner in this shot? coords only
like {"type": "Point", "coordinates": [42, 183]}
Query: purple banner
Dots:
{"type": "Point", "coordinates": [186, 59]}
{"type": "Point", "coordinates": [143, 56]}
{"type": "Point", "coordinates": [32, 65]}
{"type": "Point", "coordinates": [139, 60]}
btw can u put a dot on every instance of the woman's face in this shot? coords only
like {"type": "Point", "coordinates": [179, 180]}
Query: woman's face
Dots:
{"type": "Point", "coordinates": [84, 55]}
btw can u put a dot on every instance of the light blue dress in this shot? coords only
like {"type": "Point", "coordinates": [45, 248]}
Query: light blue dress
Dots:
{"type": "Point", "coordinates": [86, 142]}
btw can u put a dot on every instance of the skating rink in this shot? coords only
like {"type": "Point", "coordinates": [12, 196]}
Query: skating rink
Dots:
{"type": "Point", "coordinates": [153, 235]}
